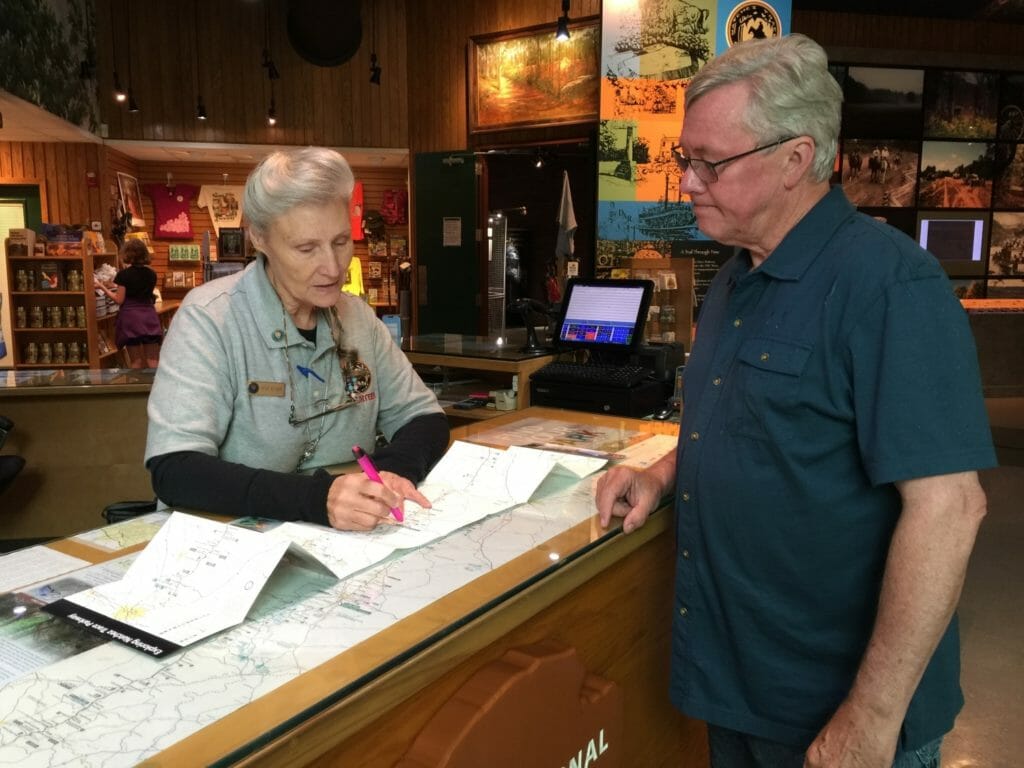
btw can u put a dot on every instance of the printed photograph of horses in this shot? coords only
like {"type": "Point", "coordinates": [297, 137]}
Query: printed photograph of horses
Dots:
{"type": "Point", "coordinates": [880, 173]}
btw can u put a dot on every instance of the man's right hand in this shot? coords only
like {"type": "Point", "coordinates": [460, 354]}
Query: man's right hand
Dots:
{"type": "Point", "coordinates": [628, 494]}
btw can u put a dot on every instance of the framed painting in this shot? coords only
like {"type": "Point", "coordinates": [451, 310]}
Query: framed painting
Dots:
{"type": "Point", "coordinates": [526, 78]}
{"type": "Point", "coordinates": [131, 197]}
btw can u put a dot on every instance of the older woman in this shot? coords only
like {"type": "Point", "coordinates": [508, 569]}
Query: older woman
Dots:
{"type": "Point", "coordinates": [270, 374]}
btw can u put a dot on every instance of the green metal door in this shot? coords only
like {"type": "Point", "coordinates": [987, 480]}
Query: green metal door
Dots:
{"type": "Point", "coordinates": [449, 276]}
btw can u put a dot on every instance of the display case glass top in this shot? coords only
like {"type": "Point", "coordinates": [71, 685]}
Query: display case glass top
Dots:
{"type": "Point", "coordinates": [483, 347]}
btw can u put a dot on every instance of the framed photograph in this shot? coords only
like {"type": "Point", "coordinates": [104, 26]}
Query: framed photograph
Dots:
{"type": "Point", "coordinates": [880, 172]}
{"type": "Point", "coordinates": [960, 105]}
{"type": "Point", "coordinates": [882, 103]}
{"type": "Point", "coordinates": [1006, 245]}
{"type": "Point", "coordinates": [399, 247]}
{"type": "Point", "coordinates": [231, 244]}
{"type": "Point", "coordinates": [131, 197]}
{"type": "Point", "coordinates": [188, 252]}
{"type": "Point", "coordinates": [955, 174]}
{"type": "Point", "coordinates": [525, 78]}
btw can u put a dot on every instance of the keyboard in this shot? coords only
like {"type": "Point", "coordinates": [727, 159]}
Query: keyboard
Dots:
{"type": "Point", "coordinates": [617, 376]}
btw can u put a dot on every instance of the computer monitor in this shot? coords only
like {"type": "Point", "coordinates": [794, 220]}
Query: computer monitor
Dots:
{"type": "Point", "coordinates": [958, 239]}
{"type": "Point", "coordinates": [604, 315]}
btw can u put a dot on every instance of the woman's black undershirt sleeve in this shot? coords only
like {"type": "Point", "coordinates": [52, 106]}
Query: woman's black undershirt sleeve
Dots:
{"type": "Point", "coordinates": [206, 483]}
{"type": "Point", "coordinates": [415, 448]}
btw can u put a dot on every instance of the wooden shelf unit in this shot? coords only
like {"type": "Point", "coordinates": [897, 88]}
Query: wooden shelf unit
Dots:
{"type": "Point", "coordinates": [87, 336]}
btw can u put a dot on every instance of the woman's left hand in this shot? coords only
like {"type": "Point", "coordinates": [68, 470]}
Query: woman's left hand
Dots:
{"type": "Point", "coordinates": [356, 503]}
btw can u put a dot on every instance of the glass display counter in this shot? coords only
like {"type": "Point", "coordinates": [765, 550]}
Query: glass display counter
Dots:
{"type": "Point", "coordinates": [456, 367]}
{"type": "Point", "coordinates": [352, 673]}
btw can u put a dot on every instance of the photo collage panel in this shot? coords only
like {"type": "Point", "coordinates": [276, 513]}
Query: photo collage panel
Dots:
{"type": "Point", "coordinates": [939, 154]}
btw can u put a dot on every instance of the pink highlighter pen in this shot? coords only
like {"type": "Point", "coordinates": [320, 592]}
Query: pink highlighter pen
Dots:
{"type": "Point", "coordinates": [371, 472]}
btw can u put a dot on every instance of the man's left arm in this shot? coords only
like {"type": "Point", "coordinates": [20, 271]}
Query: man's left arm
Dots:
{"type": "Point", "coordinates": [924, 575]}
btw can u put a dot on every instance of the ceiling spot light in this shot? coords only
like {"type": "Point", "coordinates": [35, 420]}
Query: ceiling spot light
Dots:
{"type": "Point", "coordinates": [562, 31]}
{"type": "Point", "coordinates": [119, 93]}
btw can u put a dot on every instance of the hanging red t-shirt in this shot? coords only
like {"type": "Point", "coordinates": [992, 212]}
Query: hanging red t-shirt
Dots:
{"type": "Point", "coordinates": [355, 211]}
{"type": "Point", "coordinates": [170, 206]}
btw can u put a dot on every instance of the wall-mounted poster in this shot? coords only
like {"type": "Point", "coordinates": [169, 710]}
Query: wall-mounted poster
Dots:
{"type": "Point", "coordinates": [1011, 108]}
{"type": "Point", "coordinates": [1008, 187]}
{"type": "Point", "coordinates": [882, 103]}
{"type": "Point", "coordinates": [527, 78]}
{"type": "Point", "coordinates": [960, 105]}
{"type": "Point", "coordinates": [182, 252]}
{"type": "Point", "coordinates": [1006, 246]}
{"type": "Point", "coordinates": [131, 198]}
{"type": "Point", "coordinates": [955, 174]}
{"type": "Point", "coordinates": [880, 172]}
{"type": "Point", "coordinates": [649, 51]}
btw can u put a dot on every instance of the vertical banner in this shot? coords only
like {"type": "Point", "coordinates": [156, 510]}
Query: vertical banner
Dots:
{"type": "Point", "coordinates": [650, 50]}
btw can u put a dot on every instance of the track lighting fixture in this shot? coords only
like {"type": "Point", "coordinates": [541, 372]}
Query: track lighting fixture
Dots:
{"type": "Point", "coordinates": [268, 64]}
{"type": "Point", "coordinates": [375, 68]}
{"type": "Point", "coordinates": [132, 105]}
{"type": "Point", "coordinates": [119, 92]}
{"type": "Point", "coordinates": [562, 32]}
{"type": "Point", "coordinates": [200, 106]}
{"type": "Point", "coordinates": [538, 161]}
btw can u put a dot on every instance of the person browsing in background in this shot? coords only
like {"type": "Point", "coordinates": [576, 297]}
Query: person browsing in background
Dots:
{"type": "Point", "coordinates": [825, 485]}
{"type": "Point", "coordinates": [137, 327]}
{"type": "Point", "coordinates": [271, 374]}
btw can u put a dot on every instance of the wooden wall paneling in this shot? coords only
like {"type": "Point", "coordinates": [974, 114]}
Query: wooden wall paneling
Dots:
{"type": "Point", "coordinates": [16, 166]}
{"type": "Point", "coordinates": [57, 192]}
{"type": "Point", "coordinates": [437, 59]}
{"type": "Point", "coordinates": [68, 198]}
{"type": "Point", "coordinates": [395, 117]}
{"type": "Point", "coordinates": [234, 83]}
{"type": "Point", "coordinates": [897, 37]}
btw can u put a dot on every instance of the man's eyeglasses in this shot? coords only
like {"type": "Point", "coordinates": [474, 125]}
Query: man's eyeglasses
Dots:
{"type": "Point", "coordinates": [705, 169]}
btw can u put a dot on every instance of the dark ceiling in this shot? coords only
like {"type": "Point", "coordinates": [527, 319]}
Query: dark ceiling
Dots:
{"type": "Point", "coordinates": [1011, 11]}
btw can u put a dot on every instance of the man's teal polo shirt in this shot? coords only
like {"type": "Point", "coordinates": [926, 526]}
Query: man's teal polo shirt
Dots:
{"type": "Point", "coordinates": [841, 365]}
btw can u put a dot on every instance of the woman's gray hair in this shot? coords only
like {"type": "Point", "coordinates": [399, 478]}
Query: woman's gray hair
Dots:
{"type": "Point", "coordinates": [792, 92]}
{"type": "Point", "coordinates": [289, 178]}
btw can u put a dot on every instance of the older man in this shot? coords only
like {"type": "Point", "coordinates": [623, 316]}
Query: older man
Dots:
{"type": "Point", "coordinates": [825, 484]}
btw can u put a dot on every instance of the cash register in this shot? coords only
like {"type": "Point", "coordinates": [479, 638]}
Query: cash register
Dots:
{"type": "Point", "coordinates": [603, 322]}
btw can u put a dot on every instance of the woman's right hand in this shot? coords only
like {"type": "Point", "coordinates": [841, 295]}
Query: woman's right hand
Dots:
{"type": "Point", "coordinates": [356, 503]}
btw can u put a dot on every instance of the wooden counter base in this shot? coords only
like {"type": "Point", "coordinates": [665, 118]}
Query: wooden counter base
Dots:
{"type": "Point", "coordinates": [612, 605]}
